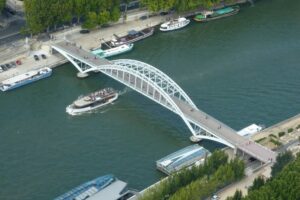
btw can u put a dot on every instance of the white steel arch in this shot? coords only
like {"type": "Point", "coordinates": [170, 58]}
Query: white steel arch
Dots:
{"type": "Point", "coordinates": [157, 86]}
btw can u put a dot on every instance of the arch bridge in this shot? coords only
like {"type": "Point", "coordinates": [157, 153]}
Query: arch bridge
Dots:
{"type": "Point", "coordinates": [157, 86]}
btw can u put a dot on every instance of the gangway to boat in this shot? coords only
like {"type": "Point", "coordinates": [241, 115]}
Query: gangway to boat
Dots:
{"type": "Point", "coordinates": [159, 87]}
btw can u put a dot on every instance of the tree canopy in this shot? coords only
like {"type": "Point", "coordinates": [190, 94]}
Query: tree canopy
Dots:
{"type": "Point", "coordinates": [178, 5]}
{"type": "Point", "coordinates": [42, 15]}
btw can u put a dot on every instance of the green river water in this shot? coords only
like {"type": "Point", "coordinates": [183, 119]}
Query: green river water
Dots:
{"type": "Point", "coordinates": [242, 70]}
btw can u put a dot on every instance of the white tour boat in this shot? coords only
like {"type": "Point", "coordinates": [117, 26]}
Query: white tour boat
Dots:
{"type": "Point", "coordinates": [113, 51]}
{"type": "Point", "coordinates": [174, 24]}
{"type": "Point", "coordinates": [92, 101]}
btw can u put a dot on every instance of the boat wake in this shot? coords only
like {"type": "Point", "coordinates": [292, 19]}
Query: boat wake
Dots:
{"type": "Point", "coordinates": [126, 90]}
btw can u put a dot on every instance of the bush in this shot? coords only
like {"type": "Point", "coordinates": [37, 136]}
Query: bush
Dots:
{"type": "Point", "coordinates": [290, 130]}
{"type": "Point", "coordinates": [272, 135]}
{"type": "Point", "coordinates": [298, 127]}
{"type": "Point", "coordinates": [261, 139]}
{"type": "Point", "coordinates": [276, 142]}
{"type": "Point", "coordinates": [282, 133]}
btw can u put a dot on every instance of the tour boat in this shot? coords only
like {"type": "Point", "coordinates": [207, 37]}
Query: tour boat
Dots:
{"type": "Point", "coordinates": [92, 101]}
{"type": "Point", "coordinates": [174, 24]}
{"type": "Point", "coordinates": [24, 79]}
{"type": "Point", "coordinates": [216, 14]}
{"type": "Point", "coordinates": [131, 37]}
{"type": "Point", "coordinates": [106, 187]}
{"type": "Point", "coordinates": [113, 51]}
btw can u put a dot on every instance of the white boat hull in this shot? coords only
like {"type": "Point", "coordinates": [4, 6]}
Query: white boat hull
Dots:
{"type": "Point", "coordinates": [77, 111]}
{"type": "Point", "coordinates": [169, 26]}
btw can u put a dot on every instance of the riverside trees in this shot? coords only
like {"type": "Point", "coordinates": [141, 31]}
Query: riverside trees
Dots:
{"type": "Point", "coordinates": [199, 181]}
{"type": "Point", "coordinates": [42, 15]}
{"type": "Point", "coordinates": [283, 185]}
{"type": "Point", "coordinates": [178, 5]}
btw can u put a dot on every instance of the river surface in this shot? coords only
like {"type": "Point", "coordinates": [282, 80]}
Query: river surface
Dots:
{"type": "Point", "coordinates": [244, 69]}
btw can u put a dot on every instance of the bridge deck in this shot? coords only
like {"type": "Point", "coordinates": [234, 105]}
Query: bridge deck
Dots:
{"type": "Point", "coordinates": [221, 130]}
{"type": "Point", "coordinates": [81, 54]}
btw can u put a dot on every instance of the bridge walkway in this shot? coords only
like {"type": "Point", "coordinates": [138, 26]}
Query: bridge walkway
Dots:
{"type": "Point", "coordinates": [81, 54]}
{"type": "Point", "coordinates": [223, 131]}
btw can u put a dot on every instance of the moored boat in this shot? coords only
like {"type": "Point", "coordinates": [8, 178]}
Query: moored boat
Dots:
{"type": "Point", "coordinates": [106, 187]}
{"type": "Point", "coordinates": [113, 51]}
{"type": "Point", "coordinates": [24, 79]}
{"type": "Point", "coordinates": [92, 101]}
{"type": "Point", "coordinates": [216, 14]}
{"type": "Point", "coordinates": [131, 37]}
{"type": "Point", "coordinates": [174, 24]}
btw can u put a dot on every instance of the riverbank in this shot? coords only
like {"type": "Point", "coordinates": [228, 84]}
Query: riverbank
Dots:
{"type": "Point", "coordinates": [281, 134]}
{"type": "Point", "coordinates": [24, 51]}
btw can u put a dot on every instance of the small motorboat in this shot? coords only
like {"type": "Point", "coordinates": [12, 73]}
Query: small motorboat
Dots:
{"type": "Point", "coordinates": [174, 24]}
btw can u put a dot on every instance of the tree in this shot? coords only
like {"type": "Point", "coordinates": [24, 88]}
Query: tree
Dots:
{"type": "Point", "coordinates": [257, 183]}
{"type": "Point", "coordinates": [115, 14]}
{"type": "Point", "coordinates": [238, 195]}
{"type": "Point", "coordinates": [283, 186]}
{"type": "Point", "coordinates": [2, 4]}
{"type": "Point", "coordinates": [91, 20]}
{"type": "Point", "coordinates": [281, 160]}
{"type": "Point", "coordinates": [159, 5]}
{"type": "Point", "coordinates": [103, 17]}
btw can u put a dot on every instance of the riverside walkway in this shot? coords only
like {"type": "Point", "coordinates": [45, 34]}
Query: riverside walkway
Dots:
{"type": "Point", "coordinates": [157, 86]}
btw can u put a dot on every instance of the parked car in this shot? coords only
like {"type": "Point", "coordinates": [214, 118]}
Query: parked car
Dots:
{"type": "Point", "coordinates": [44, 56]}
{"type": "Point", "coordinates": [36, 57]}
{"type": "Point", "coordinates": [7, 66]}
{"type": "Point", "coordinates": [3, 67]}
{"type": "Point", "coordinates": [84, 31]}
{"type": "Point", "coordinates": [144, 17]}
{"type": "Point", "coordinates": [13, 64]}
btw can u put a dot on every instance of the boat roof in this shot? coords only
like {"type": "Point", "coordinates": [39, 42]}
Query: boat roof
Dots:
{"type": "Point", "coordinates": [182, 157]}
{"type": "Point", "coordinates": [94, 96]}
{"type": "Point", "coordinates": [98, 183]}
{"type": "Point", "coordinates": [132, 32]}
{"type": "Point", "coordinates": [250, 130]}
{"type": "Point", "coordinates": [24, 76]}
{"type": "Point", "coordinates": [224, 10]}
{"type": "Point", "coordinates": [111, 192]}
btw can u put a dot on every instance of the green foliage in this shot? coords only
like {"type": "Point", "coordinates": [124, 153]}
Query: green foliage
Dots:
{"type": "Point", "coordinates": [261, 139]}
{"type": "Point", "coordinates": [238, 195]}
{"type": "Point", "coordinates": [257, 183]}
{"type": "Point", "coordinates": [159, 5]}
{"type": "Point", "coordinates": [281, 161]}
{"type": "Point", "coordinates": [272, 135]}
{"type": "Point", "coordinates": [276, 142]}
{"type": "Point", "coordinates": [298, 127]}
{"type": "Point", "coordinates": [284, 186]}
{"type": "Point", "coordinates": [282, 133]}
{"type": "Point", "coordinates": [290, 130]}
{"type": "Point", "coordinates": [41, 15]}
{"type": "Point", "coordinates": [91, 21]}
{"type": "Point", "coordinates": [2, 4]}
{"type": "Point", "coordinates": [179, 5]}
